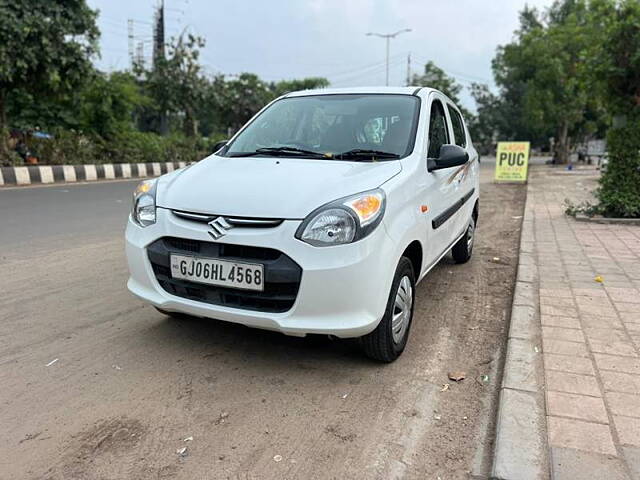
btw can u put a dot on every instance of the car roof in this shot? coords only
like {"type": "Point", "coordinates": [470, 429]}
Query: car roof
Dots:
{"type": "Point", "coordinates": [412, 90]}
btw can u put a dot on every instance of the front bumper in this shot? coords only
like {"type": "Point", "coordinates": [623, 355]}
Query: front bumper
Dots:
{"type": "Point", "coordinates": [343, 290]}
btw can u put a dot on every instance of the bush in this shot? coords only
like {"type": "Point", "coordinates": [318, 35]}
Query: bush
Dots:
{"type": "Point", "coordinates": [68, 147]}
{"type": "Point", "coordinates": [619, 192]}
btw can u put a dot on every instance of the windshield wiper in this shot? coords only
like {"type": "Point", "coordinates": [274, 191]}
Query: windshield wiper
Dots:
{"type": "Point", "coordinates": [364, 154]}
{"type": "Point", "coordinates": [281, 151]}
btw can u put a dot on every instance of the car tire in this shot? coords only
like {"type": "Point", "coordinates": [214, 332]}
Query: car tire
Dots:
{"type": "Point", "coordinates": [463, 249]}
{"type": "Point", "coordinates": [388, 340]}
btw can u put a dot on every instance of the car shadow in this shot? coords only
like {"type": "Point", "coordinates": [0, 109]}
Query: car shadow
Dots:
{"type": "Point", "coordinates": [216, 339]}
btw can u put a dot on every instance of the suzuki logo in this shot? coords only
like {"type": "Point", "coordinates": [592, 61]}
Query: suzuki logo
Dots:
{"type": "Point", "coordinates": [219, 227]}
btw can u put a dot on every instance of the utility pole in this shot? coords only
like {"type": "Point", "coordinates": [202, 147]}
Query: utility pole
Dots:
{"type": "Point", "coordinates": [158, 34]}
{"type": "Point", "coordinates": [408, 69]}
{"type": "Point", "coordinates": [388, 37]}
{"type": "Point", "coordinates": [130, 37]}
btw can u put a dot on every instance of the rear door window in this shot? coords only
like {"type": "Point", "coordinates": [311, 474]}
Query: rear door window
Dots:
{"type": "Point", "coordinates": [458, 127]}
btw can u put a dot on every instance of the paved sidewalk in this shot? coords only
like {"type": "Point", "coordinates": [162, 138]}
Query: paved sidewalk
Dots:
{"type": "Point", "coordinates": [590, 331]}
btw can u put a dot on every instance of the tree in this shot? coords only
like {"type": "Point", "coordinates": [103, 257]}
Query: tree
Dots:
{"type": "Point", "coordinates": [435, 77]}
{"type": "Point", "coordinates": [240, 98]}
{"type": "Point", "coordinates": [543, 79]}
{"type": "Point", "coordinates": [176, 83]}
{"type": "Point", "coordinates": [489, 121]}
{"type": "Point", "coordinates": [615, 65]}
{"type": "Point", "coordinates": [286, 86]}
{"type": "Point", "coordinates": [108, 103]}
{"type": "Point", "coordinates": [45, 51]}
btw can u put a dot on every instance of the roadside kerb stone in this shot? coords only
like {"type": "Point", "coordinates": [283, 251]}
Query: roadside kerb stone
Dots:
{"type": "Point", "coordinates": [521, 442]}
{"type": "Point", "coordinates": [48, 174]}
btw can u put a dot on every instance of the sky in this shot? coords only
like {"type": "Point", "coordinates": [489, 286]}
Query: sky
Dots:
{"type": "Point", "coordinates": [285, 39]}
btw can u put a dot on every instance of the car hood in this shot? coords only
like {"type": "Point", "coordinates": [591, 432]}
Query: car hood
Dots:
{"type": "Point", "coordinates": [266, 187]}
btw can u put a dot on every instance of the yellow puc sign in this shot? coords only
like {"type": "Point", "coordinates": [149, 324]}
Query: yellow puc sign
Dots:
{"type": "Point", "coordinates": [512, 160]}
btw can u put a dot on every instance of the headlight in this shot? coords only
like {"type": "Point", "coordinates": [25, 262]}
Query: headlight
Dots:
{"type": "Point", "coordinates": [343, 221]}
{"type": "Point", "coordinates": [144, 203]}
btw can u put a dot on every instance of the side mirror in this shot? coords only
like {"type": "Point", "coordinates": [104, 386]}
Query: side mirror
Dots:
{"type": "Point", "coordinates": [218, 145]}
{"type": "Point", "coordinates": [450, 156]}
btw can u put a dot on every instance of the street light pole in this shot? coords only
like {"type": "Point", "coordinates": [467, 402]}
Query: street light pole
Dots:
{"type": "Point", "coordinates": [388, 37]}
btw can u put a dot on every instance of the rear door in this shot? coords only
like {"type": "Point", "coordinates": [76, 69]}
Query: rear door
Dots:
{"type": "Point", "coordinates": [463, 178]}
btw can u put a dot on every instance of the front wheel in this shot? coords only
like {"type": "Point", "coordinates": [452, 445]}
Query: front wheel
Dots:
{"type": "Point", "coordinates": [388, 340]}
{"type": "Point", "coordinates": [463, 249]}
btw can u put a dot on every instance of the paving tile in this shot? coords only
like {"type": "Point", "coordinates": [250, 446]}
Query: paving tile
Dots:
{"type": "Point", "coordinates": [576, 406]}
{"type": "Point", "coordinates": [628, 307]}
{"type": "Point", "coordinates": [566, 363]}
{"type": "Point", "coordinates": [629, 317]}
{"type": "Point", "coordinates": [596, 290]}
{"type": "Point", "coordinates": [590, 437]}
{"type": "Point", "coordinates": [632, 456]}
{"type": "Point", "coordinates": [618, 364]}
{"type": "Point", "coordinates": [556, 292]}
{"type": "Point", "coordinates": [599, 310]}
{"type": "Point", "coordinates": [617, 348]}
{"type": "Point", "coordinates": [626, 404]}
{"type": "Point", "coordinates": [568, 334]}
{"type": "Point", "coordinates": [557, 301]}
{"type": "Point", "coordinates": [572, 383]}
{"type": "Point", "coordinates": [620, 382]}
{"type": "Point", "coordinates": [630, 295]}
{"type": "Point", "coordinates": [628, 430]}
{"type": "Point", "coordinates": [605, 334]}
{"type": "Point", "coordinates": [562, 311]}
{"type": "Point", "coordinates": [570, 464]}
{"type": "Point", "coordinates": [562, 347]}
{"type": "Point", "coordinates": [594, 321]}
{"type": "Point", "coordinates": [556, 321]}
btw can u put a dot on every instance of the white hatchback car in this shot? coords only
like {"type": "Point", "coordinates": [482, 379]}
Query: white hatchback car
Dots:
{"type": "Point", "coordinates": [319, 216]}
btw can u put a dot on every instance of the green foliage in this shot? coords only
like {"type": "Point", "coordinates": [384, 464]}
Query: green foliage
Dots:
{"type": "Point", "coordinates": [490, 119]}
{"type": "Point", "coordinates": [45, 49]}
{"type": "Point", "coordinates": [435, 77]}
{"type": "Point", "coordinates": [286, 86]}
{"type": "Point", "coordinates": [615, 65]}
{"type": "Point", "coordinates": [542, 75]}
{"type": "Point", "coordinates": [107, 104]}
{"type": "Point", "coordinates": [176, 84]}
{"type": "Point", "coordinates": [585, 208]}
{"type": "Point", "coordinates": [131, 146]}
{"type": "Point", "coordinates": [619, 192]}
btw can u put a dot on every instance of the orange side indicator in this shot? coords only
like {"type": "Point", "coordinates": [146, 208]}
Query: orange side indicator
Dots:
{"type": "Point", "coordinates": [424, 208]}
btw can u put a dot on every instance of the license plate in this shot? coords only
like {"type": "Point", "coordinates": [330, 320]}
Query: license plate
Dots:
{"type": "Point", "coordinates": [247, 276]}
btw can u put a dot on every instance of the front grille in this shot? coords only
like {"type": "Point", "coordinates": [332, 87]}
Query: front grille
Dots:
{"type": "Point", "coordinates": [245, 222]}
{"type": "Point", "coordinates": [281, 274]}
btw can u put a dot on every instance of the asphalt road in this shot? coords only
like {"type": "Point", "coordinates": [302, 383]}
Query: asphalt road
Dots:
{"type": "Point", "coordinates": [125, 385]}
{"type": "Point", "coordinates": [34, 216]}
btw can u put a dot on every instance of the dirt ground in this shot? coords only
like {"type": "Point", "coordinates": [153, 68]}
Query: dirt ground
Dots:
{"type": "Point", "coordinates": [130, 387]}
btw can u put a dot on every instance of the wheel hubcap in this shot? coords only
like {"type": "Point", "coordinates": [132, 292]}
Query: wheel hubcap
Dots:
{"type": "Point", "coordinates": [470, 234]}
{"type": "Point", "coordinates": [402, 309]}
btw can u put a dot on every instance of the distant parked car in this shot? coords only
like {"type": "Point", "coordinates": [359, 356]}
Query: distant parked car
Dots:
{"type": "Point", "coordinates": [319, 216]}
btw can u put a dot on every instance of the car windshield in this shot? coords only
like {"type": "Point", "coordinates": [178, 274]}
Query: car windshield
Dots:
{"type": "Point", "coordinates": [341, 127]}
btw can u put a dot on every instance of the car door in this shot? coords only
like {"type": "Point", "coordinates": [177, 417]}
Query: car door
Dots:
{"type": "Point", "coordinates": [441, 194]}
{"type": "Point", "coordinates": [463, 179]}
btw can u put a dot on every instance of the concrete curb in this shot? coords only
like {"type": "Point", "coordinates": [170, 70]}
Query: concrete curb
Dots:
{"type": "Point", "coordinates": [521, 448]}
{"type": "Point", "coordinates": [44, 174]}
{"type": "Point", "coordinates": [580, 217]}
